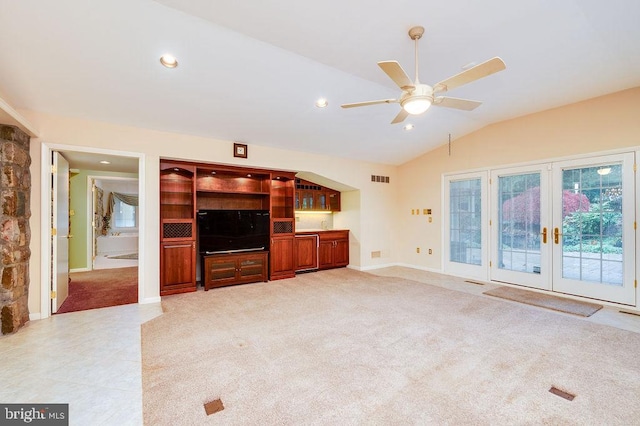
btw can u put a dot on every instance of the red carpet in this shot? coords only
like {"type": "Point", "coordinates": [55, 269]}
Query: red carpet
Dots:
{"type": "Point", "coordinates": [101, 288]}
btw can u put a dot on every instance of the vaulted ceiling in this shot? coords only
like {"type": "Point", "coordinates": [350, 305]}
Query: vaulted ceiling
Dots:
{"type": "Point", "coordinates": [251, 71]}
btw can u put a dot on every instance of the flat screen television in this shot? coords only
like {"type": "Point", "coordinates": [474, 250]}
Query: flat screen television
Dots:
{"type": "Point", "coordinates": [229, 231]}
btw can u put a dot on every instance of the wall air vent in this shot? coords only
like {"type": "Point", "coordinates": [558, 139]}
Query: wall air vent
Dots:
{"type": "Point", "coordinates": [381, 179]}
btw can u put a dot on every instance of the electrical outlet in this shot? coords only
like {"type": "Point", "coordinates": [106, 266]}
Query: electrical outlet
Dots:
{"type": "Point", "coordinates": [430, 219]}
{"type": "Point", "coordinates": [428, 211]}
{"type": "Point", "coordinates": [413, 211]}
{"type": "Point", "coordinates": [417, 249]}
{"type": "Point", "coordinates": [430, 251]}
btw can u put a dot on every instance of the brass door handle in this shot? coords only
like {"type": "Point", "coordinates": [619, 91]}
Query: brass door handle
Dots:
{"type": "Point", "coordinates": [544, 235]}
{"type": "Point", "coordinates": [556, 235]}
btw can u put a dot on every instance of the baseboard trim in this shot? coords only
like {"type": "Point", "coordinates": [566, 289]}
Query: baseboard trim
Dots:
{"type": "Point", "coordinates": [79, 270]}
{"type": "Point", "coordinates": [389, 265]}
{"type": "Point", "coordinates": [373, 267]}
{"type": "Point", "coordinates": [148, 300]}
{"type": "Point", "coordinates": [34, 316]}
{"type": "Point", "coordinates": [421, 268]}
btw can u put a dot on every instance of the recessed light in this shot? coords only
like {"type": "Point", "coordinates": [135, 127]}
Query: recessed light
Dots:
{"type": "Point", "coordinates": [175, 169]}
{"type": "Point", "coordinates": [169, 61]}
{"type": "Point", "coordinates": [105, 162]}
{"type": "Point", "coordinates": [213, 173]}
{"type": "Point", "coordinates": [322, 102]}
{"type": "Point", "coordinates": [249, 175]}
{"type": "Point", "coordinates": [408, 127]}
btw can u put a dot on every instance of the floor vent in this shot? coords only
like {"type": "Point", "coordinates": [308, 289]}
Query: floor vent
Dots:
{"type": "Point", "coordinates": [473, 282]}
{"type": "Point", "coordinates": [213, 407]}
{"type": "Point", "coordinates": [562, 394]}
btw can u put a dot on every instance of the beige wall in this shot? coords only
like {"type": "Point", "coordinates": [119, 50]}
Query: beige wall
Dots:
{"type": "Point", "coordinates": [367, 207]}
{"type": "Point", "coordinates": [378, 215]}
{"type": "Point", "coordinates": [606, 123]}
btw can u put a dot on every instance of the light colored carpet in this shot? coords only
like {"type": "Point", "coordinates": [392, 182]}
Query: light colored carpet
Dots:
{"type": "Point", "coordinates": [570, 306]}
{"type": "Point", "coordinates": [347, 347]}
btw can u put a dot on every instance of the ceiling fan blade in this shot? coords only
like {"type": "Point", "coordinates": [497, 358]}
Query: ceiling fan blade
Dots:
{"type": "Point", "coordinates": [472, 74]}
{"type": "Point", "coordinates": [400, 117]}
{"type": "Point", "coordinates": [465, 104]}
{"type": "Point", "coordinates": [359, 104]}
{"type": "Point", "coordinates": [397, 74]}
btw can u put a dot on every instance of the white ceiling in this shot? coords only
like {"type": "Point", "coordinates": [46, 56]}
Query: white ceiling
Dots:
{"type": "Point", "coordinates": [250, 71]}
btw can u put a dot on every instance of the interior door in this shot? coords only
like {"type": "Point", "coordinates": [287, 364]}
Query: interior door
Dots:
{"type": "Point", "coordinates": [60, 235]}
{"type": "Point", "coordinates": [593, 228]}
{"type": "Point", "coordinates": [520, 226]}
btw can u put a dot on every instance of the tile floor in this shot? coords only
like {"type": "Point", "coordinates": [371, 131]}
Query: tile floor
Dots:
{"type": "Point", "coordinates": [89, 359]}
{"type": "Point", "coordinates": [92, 359]}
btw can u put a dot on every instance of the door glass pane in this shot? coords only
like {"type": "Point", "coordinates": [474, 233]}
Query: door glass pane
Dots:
{"type": "Point", "coordinates": [592, 224]}
{"type": "Point", "coordinates": [251, 267]}
{"type": "Point", "coordinates": [519, 223]}
{"type": "Point", "coordinates": [465, 208]}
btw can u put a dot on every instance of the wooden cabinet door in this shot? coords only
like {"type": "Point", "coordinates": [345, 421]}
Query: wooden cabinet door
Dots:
{"type": "Point", "coordinates": [322, 201]}
{"type": "Point", "coordinates": [306, 249]}
{"type": "Point", "coordinates": [325, 254]}
{"type": "Point", "coordinates": [220, 271]}
{"type": "Point", "coordinates": [307, 200]}
{"type": "Point", "coordinates": [341, 253]}
{"type": "Point", "coordinates": [334, 201]}
{"type": "Point", "coordinates": [282, 257]}
{"type": "Point", "coordinates": [252, 267]}
{"type": "Point", "coordinates": [177, 269]}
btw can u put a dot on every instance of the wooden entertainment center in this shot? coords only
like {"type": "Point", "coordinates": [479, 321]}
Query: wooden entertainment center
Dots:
{"type": "Point", "coordinates": [187, 187]}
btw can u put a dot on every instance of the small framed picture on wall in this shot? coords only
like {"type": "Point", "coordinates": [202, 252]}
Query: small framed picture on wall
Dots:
{"type": "Point", "coordinates": [240, 150]}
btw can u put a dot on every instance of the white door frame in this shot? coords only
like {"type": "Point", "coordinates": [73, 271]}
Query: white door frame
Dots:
{"type": "Point", "coordinates": [585, 157]}
{"type": "Point", "coordinates": [91, 211]}
{"type": "Point", "coordinates": [625, 294]}
{"type": "Point", "coordinates": [543, 279]}
{"type": "Point", "coordinates": [45, 218]}
{"type": "Point", "coordinates": [480, 272]}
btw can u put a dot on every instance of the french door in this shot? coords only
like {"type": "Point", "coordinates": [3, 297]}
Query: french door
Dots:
{"type": "Point", "coordinates": [520, 226]}
{"type": "Point", "coordinates": [465, 242]}
{"type": "Point", "coordinates": [593, 228]}
{"type": "Point", "coordinates": [570, 230]}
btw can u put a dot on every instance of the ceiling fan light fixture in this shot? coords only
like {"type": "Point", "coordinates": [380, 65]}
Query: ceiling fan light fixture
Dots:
{"type": "Point", "coordinates": [416, 106]}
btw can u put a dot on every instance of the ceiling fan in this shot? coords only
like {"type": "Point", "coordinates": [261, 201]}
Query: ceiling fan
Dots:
{"type": "Point", "coordinates": [416, 97]}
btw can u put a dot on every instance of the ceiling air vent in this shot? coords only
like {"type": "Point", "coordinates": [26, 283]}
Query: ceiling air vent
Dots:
{"type": "Point", "coordinates": [381, 179]}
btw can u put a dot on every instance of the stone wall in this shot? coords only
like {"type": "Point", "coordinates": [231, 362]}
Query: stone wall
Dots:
{"type": "Point", "coordinates": [15, 190]}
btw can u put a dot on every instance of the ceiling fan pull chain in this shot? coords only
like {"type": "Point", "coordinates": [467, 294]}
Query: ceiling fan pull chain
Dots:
{"type": "Point", "coordinates": [416, 59]}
